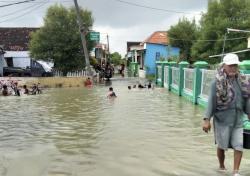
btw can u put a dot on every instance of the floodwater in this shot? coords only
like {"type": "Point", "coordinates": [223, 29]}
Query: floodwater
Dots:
{"type": "Point", "coordinates": [79, 132]}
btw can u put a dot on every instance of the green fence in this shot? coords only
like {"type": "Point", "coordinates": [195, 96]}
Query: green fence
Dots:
{"type": "Point", "coordinates": [160, 73]}
{"type": "Point", "coordinates": [191, 83]}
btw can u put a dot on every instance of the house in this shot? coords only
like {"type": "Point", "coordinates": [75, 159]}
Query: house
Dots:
{"type": "Point", "coordinates": [133, 53]}
{"type": "Point", "coordinates": [155, 47]}
{"type": "Point", "coordinates": [15, 39]}
{"type": "Point", "coordinates": [101, 53]}
{"type": "Point", "coordinates": [15, 43]}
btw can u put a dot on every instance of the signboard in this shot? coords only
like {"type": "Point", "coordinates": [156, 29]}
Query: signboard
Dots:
{"type": "Point", "coordinates": [94, 36]}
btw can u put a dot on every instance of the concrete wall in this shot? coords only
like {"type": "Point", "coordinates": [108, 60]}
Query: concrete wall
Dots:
{"type": "Point", "coordinates": [2, 64]}
{"type": "Point", "coordinates": [49, 82]}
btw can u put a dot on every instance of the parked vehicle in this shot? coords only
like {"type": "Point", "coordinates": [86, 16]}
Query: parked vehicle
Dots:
{"type": "Point", "coordinates": [13, 71]}
{"type": "Point", "coordinates": [33, 68]}
{"type": "Point", "coordinates": [37, 69]}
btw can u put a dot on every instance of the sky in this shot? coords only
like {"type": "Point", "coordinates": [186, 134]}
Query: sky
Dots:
{"type": "Point", "coordinates": [121, 20]}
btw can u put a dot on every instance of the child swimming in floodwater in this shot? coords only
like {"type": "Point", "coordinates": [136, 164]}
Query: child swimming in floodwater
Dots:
{"type": "Point", "coordinates": [111, 93]}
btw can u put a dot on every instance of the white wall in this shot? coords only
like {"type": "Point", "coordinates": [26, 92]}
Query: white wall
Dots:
{"type": "Point", "coordinates": [2, 64]}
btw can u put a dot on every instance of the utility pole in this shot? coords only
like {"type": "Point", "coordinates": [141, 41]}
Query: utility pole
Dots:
{"type": "Point", "coordinates": [223, 48]}
{"type": "Point", "coordinates": [108, 60]}
{"type": "Point", "coordinates": [82, 33]}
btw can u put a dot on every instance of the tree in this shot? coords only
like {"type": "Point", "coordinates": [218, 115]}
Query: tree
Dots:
{"type": "Point", "coordinates": [116, 58]}
{"type": "Point", "coordinates": [59, 39]}
{"type": "Point", "coordinates": [183, 35]}
{"type": "Point", "coordinates": [220, 16]}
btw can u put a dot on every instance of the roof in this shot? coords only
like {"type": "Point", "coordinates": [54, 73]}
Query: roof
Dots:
{"type": "Point", "coordinates": [15, 39]}
{"type": "Point", "coordinates": [16, 54]}
{"type": "Point", "coordinates": [158, 37]}
{"type": "Point", "coordinates": [129, 44]}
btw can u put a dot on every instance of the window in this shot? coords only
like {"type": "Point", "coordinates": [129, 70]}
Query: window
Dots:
{"type": "Point", "coordinates": [157, 56]}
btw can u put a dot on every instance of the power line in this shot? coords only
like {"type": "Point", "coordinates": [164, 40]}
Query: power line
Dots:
{"type": "Point", "coordinates": [27, 12]}
{"type": "Point", "coordinates": [21, 2]}
{"type": "Point", "coordinates": [40, 2]}
{"type": "Point", "coordinates": [154, 8]}
{"type": "Point", "coordinates": [26, 8]}
{"type": "Point", "coordinates": [209, 40]}
{"type": "Point", "coordinates": [19, 10]}
{"type": "Point", "coordinates": [241, 51]}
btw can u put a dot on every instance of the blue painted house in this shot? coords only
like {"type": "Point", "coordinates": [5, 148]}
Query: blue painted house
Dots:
{"type": "Point", "coordinates": [156, 47]}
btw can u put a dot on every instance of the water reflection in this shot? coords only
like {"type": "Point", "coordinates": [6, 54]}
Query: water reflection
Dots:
{"type": "Point", "coordinates": [78, 131]}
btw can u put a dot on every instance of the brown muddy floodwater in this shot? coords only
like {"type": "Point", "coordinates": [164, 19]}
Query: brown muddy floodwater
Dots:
{"type": "Point", "coordinates": [79, 132]}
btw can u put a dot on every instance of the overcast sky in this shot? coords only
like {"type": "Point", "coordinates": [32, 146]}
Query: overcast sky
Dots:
{"type": "Point", "coordinates": [122, 20]}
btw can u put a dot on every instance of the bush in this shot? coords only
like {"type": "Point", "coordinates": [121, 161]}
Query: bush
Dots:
{"type": "Point", "coordinates": [150, 77]}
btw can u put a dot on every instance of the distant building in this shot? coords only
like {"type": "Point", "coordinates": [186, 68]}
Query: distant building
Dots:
{"type": "Point", "coordinates": [100, 52]}
{"type": "Point", "coordinates": [133, 53]}
{"type": "Point", "coordinates": [155, 47]}
{"type": "Point", "coordinates": [15, 43]}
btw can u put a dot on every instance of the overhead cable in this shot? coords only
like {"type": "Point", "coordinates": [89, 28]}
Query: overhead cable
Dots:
{"type": "Point", "coordinates": [27, 12]}
{"type": "Point", "coordinates": [209, 40]}
{"type": "Point", "coordinates": [40, 2]}
{"type": "Point", "coordinates": [25, 8]}
{"type": "Point", "coordinates": [17, 11]}
{"type": "Point", "coordinates": [15, 3]}
{"type": "Point", "coordinates": [154, 8]}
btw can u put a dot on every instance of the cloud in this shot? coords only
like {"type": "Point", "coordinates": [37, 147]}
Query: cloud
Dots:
{"type": "Point", "coordinates": [117, 13]}
{"type": "Point", "coordinates": [122, 20]}
{"type": "Point", "coordinates": [127, 22]}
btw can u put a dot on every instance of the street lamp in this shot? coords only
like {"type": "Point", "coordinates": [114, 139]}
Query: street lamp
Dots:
{"type": "Point", "coordinates": [236, 30]}
{"type": "Point", "coordinates": [233, 30]}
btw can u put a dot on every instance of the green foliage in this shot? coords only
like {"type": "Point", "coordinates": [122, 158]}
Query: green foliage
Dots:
{"type": "Point", "coordinates": [220, 16]}
{"type": "Point", "coordinates": [162, 58]}
{"type": "Point", "coordinates": [174, 58]}
{"type": "Point", "coordinates": [59, 39]}
{"type": "Point", "coordinates": [115, 58]}
{"type": "Point", "coordinates": [150, 77]}
{"type": "Point", "coordinates": [183, 35]}
{"type": "Point", "coordinates": [93, 61]}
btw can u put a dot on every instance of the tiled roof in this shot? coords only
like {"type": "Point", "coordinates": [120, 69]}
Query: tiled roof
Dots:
{"type": "Point", "coordinates": [158, 37]}
{"type": "Point", "coordinates": [15, 39]}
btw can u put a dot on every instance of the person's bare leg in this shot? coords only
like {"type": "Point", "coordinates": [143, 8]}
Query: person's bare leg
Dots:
{"type": "Point", "coordinates": [237, 160]}
{"type": "Point", "coordinates": [221, 158]}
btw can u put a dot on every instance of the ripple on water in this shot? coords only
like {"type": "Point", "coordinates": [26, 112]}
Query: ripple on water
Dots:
{"type": "Point", "coordinates": [141, 132]}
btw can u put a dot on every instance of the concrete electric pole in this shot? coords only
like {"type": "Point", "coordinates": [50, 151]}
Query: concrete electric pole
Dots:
{"type": "Point", "coordinates": [84, 43]}
{"type": "Point", "coordinates": [108, 60]}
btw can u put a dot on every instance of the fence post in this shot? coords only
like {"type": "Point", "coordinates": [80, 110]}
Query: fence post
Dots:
{"type": "Point", "coordinates": [156, 72]}
{"type": "Point", "coordinates": [245, 67]}
{"type": "Point", "coordinates": [197, 79]}
{"type": "Point", "coordinates": [170, 64]}
{"type": "Point", "coordinates": [157, 76]}
{"type": "Point", "coordinates": [182, 64]}
{"type": "Point", "coordinates": [163, 64]}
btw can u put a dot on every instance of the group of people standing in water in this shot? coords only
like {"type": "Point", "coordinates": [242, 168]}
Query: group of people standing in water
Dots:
{"type": "Point", "coordinates": [140, 86]}
{"type": "Point", "coordinates": [11, 88]}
